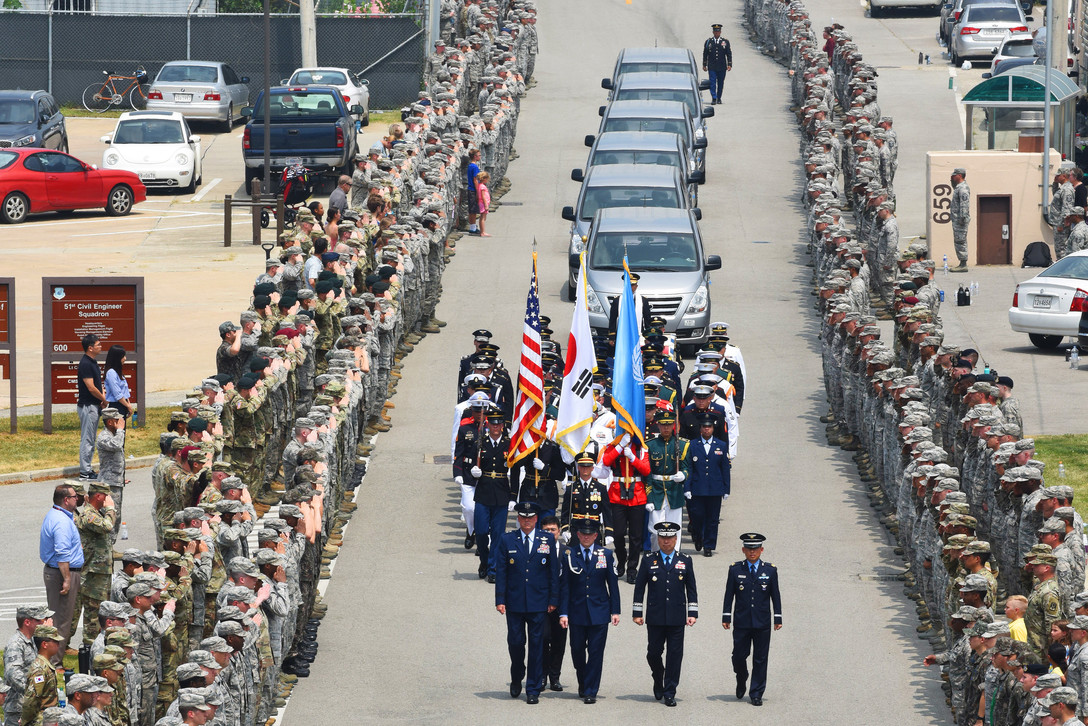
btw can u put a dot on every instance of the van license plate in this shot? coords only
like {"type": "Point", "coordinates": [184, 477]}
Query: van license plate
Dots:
{"type": "Point", "coordinates": [1042, 301]}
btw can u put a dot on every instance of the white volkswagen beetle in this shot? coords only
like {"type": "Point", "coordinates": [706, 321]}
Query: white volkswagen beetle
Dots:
{"type": "Point", "coordinates": [157, 146]}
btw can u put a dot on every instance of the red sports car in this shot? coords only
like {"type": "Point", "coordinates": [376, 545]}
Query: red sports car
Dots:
{"type": "Point", "coordinates": [42, 180]}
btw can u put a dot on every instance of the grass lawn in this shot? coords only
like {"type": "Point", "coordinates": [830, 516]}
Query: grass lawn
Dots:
{"type": "Point", "coordinates": [30, 449]}
{"type": "Point", "coordinates": [80, 112]}
{"type": "Point", "coordinates": [1071, 450]}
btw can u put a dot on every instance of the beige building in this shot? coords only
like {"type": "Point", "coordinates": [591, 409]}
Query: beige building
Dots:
{"type": "Point", "coordinates": [1006, 204]}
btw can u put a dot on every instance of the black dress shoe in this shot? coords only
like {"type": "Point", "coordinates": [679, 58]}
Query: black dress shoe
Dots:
{"type": "Point", "coordinates": [482, 572]}
{"type": "Point", "coordinates": [470, 540]}
{"type": "Point", "coordinates": [532, 699]}
{"type": "Point", "coordinates": [670, 701]}
{"type": "Point", "coordinates": [708, 553]}
{"type": "Point", "coordinates": [556, 686]}
{"type": "Point", "coordinates": [757, 701]}
{"type": "Point", "coordinates": [581, 692]}
{"type": "Point", "coordinates": [742, 686]}
{"type": "Point", "coordinates": [515, 689]}
{"type": "Point", "coordinates": [659, 691]}
{"type": "Point", "coordinates": [631, 579]}
{"type": "Point", "coordinates": [589, 700]}
{"type": "Point", "coordinates": [491, 579]}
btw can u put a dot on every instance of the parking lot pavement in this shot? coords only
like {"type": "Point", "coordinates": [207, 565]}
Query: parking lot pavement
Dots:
{"type": "Point", "coordinates": [173, 240]}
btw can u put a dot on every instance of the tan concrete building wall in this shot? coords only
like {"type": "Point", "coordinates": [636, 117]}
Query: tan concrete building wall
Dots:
{"type": "Point", "coordinates": [999, 173]}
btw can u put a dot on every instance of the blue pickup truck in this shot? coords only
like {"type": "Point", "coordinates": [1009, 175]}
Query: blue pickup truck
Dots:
{"type": "Point", "coordinates": [311, 123]}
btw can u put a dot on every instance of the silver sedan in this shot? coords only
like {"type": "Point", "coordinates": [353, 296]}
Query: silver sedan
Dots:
{"type": "Point", "coordinates": [199, 90]}
{"type": "Point", "coordinates": [1048, 307]}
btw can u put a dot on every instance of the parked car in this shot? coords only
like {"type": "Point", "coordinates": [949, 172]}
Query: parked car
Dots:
{"type": "Point", "coordinates": [953, 9]}
{"type": "Point", "coordinates": [1048, 307]}
{"type": "Point", "coordinates": [31, 118]}
{"type": "Point", "coordinates": [158, 146]}
{"type": "Point", "coordinates": [981, 26]}
{"type": "Point", "coordinates": [42, 180]}
{"type": "Point", "coordinates": [665, 248]}
{"type": "Point", "coordinates": [622, 185]}
{"type": "Point", "coordinates": [355, 90]}
{"type": "Point", "coordinates": [1015, 50]}
{"type": "Point", "coordinates": [310, 125]}
{"type": "Point", "coordinates": [656, 60]}
{"type": "Point", "coordinates": [643, 147]}
{"type": "Point", "coordinates": [199, 90]}
{"type": "Point", "coordinates": [669, 116]}
{"type": "Point", "coordinates": [680, 87]}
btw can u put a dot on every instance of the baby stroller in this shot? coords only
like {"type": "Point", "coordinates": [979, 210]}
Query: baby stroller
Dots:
{"type": "Point", "coordinates": [295, 188]}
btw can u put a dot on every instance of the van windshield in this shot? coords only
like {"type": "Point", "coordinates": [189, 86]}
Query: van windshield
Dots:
{"type": "Point", "coordinates": [685, 97]}
{"type": "Point", "coordinates": [668, 125]}
{"type": "Point", "coordinates": [646, 252]}
{"type": "Point", "coordinates": [610, 197]}
{"type": "Point", "coordinates": [657, 158]}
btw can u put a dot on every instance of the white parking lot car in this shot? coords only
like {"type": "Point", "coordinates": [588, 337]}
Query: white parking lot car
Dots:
{"type": "Point", "coordinates": [157, 146]}
{"type": "Point", "coordinates": [1048, 306]}
{"type": "Point", "coordinates": [356, 91]}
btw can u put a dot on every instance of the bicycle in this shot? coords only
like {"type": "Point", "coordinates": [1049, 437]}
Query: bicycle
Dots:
{"type": "Point", "coordinates": [99, 97]}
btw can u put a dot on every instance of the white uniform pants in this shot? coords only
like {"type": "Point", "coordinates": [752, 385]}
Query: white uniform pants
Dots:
{"type": "Point", "coordinates": [665, 514]}
{"type": "Point", "coordinates": [468, 506]}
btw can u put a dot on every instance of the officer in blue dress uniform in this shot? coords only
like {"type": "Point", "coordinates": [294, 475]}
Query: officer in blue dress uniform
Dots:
{"type": "Point", "coordinates": [589, 598]}
{"type": "Point", "coordinates": [667, 578]}
{"type": "Point", "coordinates": [526, 590]}
{"type": "Point", "coordinates": [751, 601]}
{"type": "Point", "coordinates": [707, 484]}
{"type": "Point", "coordinates": [717, 59]}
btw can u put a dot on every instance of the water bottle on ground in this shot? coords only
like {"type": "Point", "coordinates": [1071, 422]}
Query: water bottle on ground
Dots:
{"type": "Point", "coordinates": [1074, 358]}
{"type": "Point", "coordinates": [124, 530]}
{"type": "Point", "coordinates": [1061, 470]}
{"type": "Point", "coordinates": [946, 264]}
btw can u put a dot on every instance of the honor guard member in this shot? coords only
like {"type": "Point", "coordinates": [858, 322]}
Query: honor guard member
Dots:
{"type": "Point", "coordinates": [707, 485]}
{"type": "Point", "coordinates": [668, 470]}
{"type": "Point", "coordinates": [526, 590]}
{"type": "Point", "coordinates": [702, 403]}
{"type": "Point", "coordinates": [717, 59]}
{"type": "Point", "coordinates": [627, 495]}
{"type": "Point", "coordinates": [479, 337]}
{"type": "Point", "coordinates": [589, 598]}
{"type": "Point", "coordinates": [751, 600]}
{"type": "Point", "coordinates": [465, 448]}
{"type": "Point", "coordinates": [586, 498]}
{"type": "Point", "coordinates": [667, 579]}
{"type": "Point", "coordinates": [536, 478]}
{"type": "Point", "coordinates": [493, 496]}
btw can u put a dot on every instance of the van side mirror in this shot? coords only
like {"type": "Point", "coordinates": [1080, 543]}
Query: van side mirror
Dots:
{"type": "Point", "coordinates": [568, 214]}
{"type": "Point", "coordinates": [708, 111]}
{"type": "Point", "coordinates": [700, 142]}
{"type": "Point", "coordinates": [698, 214]}
{"type": "Point", "coordinates": [704, 85]}
{"type": "Point", "coordinates": [697, 177]}
{"type": "Point", "coordinates": [576, 175]}
{"type": "Point", "coordinates": [590, 138]}
{"type": "Point", "coordinates": [606, 83]}
{"type": "Point", "coordinates": [600, 111]}
{"type": "Point", "coordinates": [713, 262]}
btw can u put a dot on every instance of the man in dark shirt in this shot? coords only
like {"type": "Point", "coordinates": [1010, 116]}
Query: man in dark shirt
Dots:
{"type": "Point", "coordinates": [89, 403]}
{"type": "Point", "coordinates": [1080, 189]}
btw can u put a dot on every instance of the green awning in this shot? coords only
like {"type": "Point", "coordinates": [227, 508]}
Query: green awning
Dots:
{"type": "Point", "coordinates": [1022, 85]}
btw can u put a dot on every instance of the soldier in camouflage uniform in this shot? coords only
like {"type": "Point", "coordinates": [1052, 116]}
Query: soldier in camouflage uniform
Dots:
{"type": "Point", "coordinates": [111, 459]}
{"type": "Point", "coordinates": [95, 522]}
{"type": "Point", "coordinates": [1044, 602]}
{"type": "Point", "coordinates": [40, 691]}
{"type": "Point", "coordinates": [19, 654]}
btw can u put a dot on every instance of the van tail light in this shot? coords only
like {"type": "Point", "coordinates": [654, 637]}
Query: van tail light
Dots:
{"type": "Point", "coordinates": [1080, 302]}
{"type": "Point", "coordinates": [245, 138]}
{"type": "Point", "coordinates": [1016, 297]}
{"type": "Point", "coordinates": [339, 137]}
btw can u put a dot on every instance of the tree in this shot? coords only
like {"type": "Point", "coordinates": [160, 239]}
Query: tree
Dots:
{"type": "Point", "coordinates": [12, 5]}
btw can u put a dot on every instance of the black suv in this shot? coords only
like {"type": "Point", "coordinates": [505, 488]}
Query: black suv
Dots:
{"type": "Point", "coordinates": [31, 118]}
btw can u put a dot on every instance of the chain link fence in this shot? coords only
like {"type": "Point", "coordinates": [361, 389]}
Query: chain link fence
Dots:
{"type": "Point", "coordinates": [65, 52]}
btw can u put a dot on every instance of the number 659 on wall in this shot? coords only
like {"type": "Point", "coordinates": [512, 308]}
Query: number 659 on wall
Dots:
{"type": "Point", "coordinates": [942, 201]}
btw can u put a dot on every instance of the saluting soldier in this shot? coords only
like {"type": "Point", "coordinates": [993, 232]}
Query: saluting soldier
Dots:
{"type": "Point", "coordinates": [752, 599]}
{"type": "Point", "coordinates": [667, 579]}
{"type": "Point", "coordinates": [589, 598]}
{"type": "Point", "coordinates": [526, 590]}
{"type": "Point", "coordinates": [668, 469]}
{"type": "Point", "coordinates": [586, 498]}
{"type": "Point", "coordinates": [717, 59]}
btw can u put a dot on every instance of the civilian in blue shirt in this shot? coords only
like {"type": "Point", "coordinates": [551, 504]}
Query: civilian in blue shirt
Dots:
{"type": "Point", "coordinates": [473, 203]}
{"type": "Point", "coordinates": [62, 554]}
{"type": "Point", "coordinates": [117, 393]}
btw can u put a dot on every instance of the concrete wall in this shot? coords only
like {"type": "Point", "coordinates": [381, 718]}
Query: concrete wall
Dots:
{"type": "Point", "coordinates": [988, 172]}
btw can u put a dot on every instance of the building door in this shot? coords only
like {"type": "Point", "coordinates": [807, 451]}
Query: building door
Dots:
{"type": "Point", "coordinates": [993, 243]}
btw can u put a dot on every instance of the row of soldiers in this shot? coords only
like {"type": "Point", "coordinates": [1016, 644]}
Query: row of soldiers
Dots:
{"type": "Point", "coordinates": [938, 442]}
{"type": "Point", "coordinates": [253, 484]}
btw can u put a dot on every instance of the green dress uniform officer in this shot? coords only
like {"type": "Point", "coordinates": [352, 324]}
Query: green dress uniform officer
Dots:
{"type": "Point", "coordinates": [668, 469]}
{"type": "Point", "coordinates": [526, 590]}
{"type": "Point", "coordinates": [717, 59]}
{"type": "Point", "coordinates": [667, 579]}
{"type": "Point", "coordinates": [752, 586]}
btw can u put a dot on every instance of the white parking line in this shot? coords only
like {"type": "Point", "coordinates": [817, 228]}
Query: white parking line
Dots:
{"type": "Point", "coordinates": [162, 213]}
{"type": "Point", "coordinates": [246, 222]}
{"type": "Point", "coordinates": [205, 189]}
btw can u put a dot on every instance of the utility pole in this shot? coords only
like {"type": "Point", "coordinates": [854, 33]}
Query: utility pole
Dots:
{"type": "Point", "coordinates": [308, 24]}
{"type": "Point", "coordinates": [267, 111]}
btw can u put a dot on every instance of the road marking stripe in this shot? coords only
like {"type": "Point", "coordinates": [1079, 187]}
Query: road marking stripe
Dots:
{"type": "Point", "coordinates": [128, 218]}
{"type": "Point", "coordinates": [205, 189]}
{"type": "Point", "coordinates": [246, 222]}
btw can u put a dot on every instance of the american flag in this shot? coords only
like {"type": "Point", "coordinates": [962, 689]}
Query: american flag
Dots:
{"type": "Point", "coordinates": [528, 427]}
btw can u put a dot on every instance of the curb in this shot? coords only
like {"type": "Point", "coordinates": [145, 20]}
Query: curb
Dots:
{"type": "Point", "coordinates": [21, 477]}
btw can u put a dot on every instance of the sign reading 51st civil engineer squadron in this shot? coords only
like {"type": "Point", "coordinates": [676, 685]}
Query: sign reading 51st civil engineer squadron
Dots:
{"type": "Point", "coordinates": [111, 308]}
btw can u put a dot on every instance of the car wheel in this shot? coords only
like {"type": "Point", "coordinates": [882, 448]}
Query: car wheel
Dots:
{"type": "Point", "coordinates": [366, 118]}
{"type": "Point", "coordinates": [954, 56]}
{"type": "Point", "coordinates": [874, 11]}
{"type": "Point", "coordinates": [15, 209]}
{"type": "Point", "coordinates": [119, 202]}
{"type": "Point", "coordinates": [229, 124]}
{"type": "Point", "coordinates": [191, 188]}
{"type": "Point", "coordinates": [1045, 342]}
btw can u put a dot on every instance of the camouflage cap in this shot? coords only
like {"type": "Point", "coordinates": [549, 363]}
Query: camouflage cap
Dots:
{"type": "Point", "coordinates": [977, 547]}
{"type": "Point", "coordinates": [966, 613]}
{"type": "Point", "coordinates": [47, 632]}
{"type": "Point", "coordinates": [242, 566]}
{"type": "Point", "coordinates": [268, 557]}
{"type": "Point", "coordinates": [119, 637]}
{"type": "Point", "coordinates": [957, 542]}
{"type": "Point", "coordinates": [113, 610]}
{"type": "Point", "coordinates": [107, 662]}
{"type": "Point", "coordinates": [185, 671]}
{"type": "Point", "coordinates": [1063, 694]}
{"type": "Point", "coordinates": [1053, 525]}
{"type": "Point", "coordinates": [1045, 681]}
{"type": "Point", "coordinates": [231, 482]}
{"type": "Point", "coordinates": [1078, 622]}
{"type": "Point", "coordinates": [1065, 514]}
{"type": "Point", "coordinates": [204, 658]}
{"type": "Point", "coordinates": [975, 583]}
{"type": "Point", "coordinates": [215, 644]}
{"type": "Point", "coordinates": [190, 698]}
{"type": "Point", "coordinates": [35, 612]}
